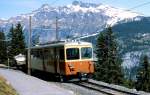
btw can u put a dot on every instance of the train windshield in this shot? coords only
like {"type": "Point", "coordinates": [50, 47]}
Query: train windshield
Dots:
{"type": "Point", "coordinates": [86, 52]}
{"type": "Point", "coordinates": [72, 53]}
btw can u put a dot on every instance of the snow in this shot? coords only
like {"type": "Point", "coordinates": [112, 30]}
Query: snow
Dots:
{"type": "Point", "coordinates": [45, 7]}
{"type": "Point", "coordinates": [77, 8]}
{"type": "Point", "coordinates": [109, 11]}
{"type": "Point", "coordinates": [131, 59]}
{"type": "Point", "coordinates": [28, 85]}
{"type": "Point", "coordinates": [115, 14]}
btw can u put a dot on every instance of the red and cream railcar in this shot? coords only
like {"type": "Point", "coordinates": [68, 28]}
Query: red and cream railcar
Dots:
{"type": "Point", "coordinates": [64, 58]}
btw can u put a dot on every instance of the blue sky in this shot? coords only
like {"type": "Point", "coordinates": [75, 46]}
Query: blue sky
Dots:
{"type": "Point", "coordinates": [9, 8]}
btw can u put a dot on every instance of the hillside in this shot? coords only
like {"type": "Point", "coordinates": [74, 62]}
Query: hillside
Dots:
{"type": "Point", "coordinates": [134, 41]}
{"type": "Point", "coordinates": [6, 89]}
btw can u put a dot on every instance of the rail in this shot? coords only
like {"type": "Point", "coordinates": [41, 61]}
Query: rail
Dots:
{"type": "Point", "coordinates": [109, 89]}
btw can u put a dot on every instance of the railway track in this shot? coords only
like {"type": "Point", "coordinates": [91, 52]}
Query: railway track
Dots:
{"type": "Point", "coordinates": [104, 89]}
{"type": "Point", "coordinates": [98, 87]}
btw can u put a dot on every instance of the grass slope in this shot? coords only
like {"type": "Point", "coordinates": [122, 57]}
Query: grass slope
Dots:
{"type": "Point", "coordinates": [5, 88]}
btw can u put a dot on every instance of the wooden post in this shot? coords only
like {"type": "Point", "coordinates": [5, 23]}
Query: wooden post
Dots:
{"type": "Point", "coordinates": [29, 48]}
{"type": "Point", "coordinates": [57, 29]}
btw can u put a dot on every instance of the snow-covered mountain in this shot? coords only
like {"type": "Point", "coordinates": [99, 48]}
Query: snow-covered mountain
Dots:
{"type": "Point", "coordinates": [76, 19]}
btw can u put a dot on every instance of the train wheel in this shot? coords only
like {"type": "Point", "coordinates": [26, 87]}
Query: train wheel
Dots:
{"type": "Point", "coordinates": [79, 76]}
{"type": "Point", "coordinates": [61, 79]}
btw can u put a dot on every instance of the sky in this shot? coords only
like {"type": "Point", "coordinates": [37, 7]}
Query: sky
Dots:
{"type": "Point", "coordinates": [12, 8]}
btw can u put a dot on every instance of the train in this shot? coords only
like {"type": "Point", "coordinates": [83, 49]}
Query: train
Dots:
{"type": "Point", "coordinates": [64, 59]}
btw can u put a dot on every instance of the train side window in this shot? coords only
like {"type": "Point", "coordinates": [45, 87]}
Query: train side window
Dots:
{"type": "Point", "coordinates": [37, 54]}
{"type": "Point", "coordinates": [34, 53]}
{"type": "Point", "coordinates": [86, 53]}
{"type": "Point", "coordinates": [46, 53]}
{"type": "Point", "coordinates": [61, 54]}
{"type": "Point", "coordinates": [72, 53]}
{"type": "Point", "coordinates": [40, 54]}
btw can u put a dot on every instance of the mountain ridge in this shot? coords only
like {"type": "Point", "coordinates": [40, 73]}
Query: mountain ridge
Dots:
{"type": "Point", "coordinates": [78, 6]}
{"type": "Point", "coordinates": [74, 20]}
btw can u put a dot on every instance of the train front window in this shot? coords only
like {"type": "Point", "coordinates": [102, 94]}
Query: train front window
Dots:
{"type": "Point", "coordinates": [86, 53]}
{"type": "Point", "coordinates": [72, 53]}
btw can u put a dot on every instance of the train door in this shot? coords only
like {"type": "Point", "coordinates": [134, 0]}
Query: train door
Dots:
{"type": "Point", "coordinates": [60, 60]}
{"type": "Point", "coordinates": [60, 63]}
{"type": "Point", "coordinates": [57, 61]}
{"type": "Point", "coordinates": [49, 60]}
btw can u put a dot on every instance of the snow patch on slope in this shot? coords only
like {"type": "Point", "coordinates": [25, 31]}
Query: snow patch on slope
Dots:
{"type": "Point", "coordinates": [115, 14]}
{"type": "Point", "coordinates": [131, 59]}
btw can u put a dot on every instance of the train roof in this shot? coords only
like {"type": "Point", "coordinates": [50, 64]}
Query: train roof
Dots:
{"type": "Point", "coordinates": [62, 43]}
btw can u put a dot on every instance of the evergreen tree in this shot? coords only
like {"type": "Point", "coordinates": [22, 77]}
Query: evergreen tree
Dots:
{"type": "Point", "coordinates": [20, 43]}
{"type": "Point", "coordinates": [17, 43]}
{"type": "Point", "coordinates": [10, 45]}
{"type": "Point", "coordinates": [108, 67]}
{"type": "Point", "coordinates": [143, 76]}
{"type": "Point", "coordinates": [3, 50]}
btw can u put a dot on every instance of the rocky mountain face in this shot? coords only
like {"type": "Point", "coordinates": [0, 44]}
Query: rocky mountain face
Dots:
{"type": "Point", "coordinates": [74, 20]}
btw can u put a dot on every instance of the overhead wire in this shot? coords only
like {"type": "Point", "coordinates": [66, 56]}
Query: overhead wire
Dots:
{"type": "Point", "coordinates": [140, 5]}
{"type": "Point", "coordinates": [137, 6]}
